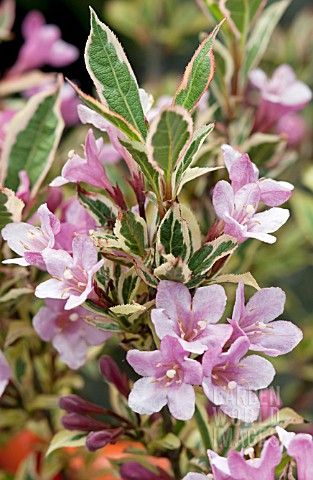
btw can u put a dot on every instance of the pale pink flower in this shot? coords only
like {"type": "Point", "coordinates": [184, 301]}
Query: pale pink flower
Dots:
{"type": "Point", "coordinates": [238, 211]}
{"type": "Point", "coordinates": [229, 379]}
{"type": "Point", "coordinates": [270, 403]}
{"type": "Point", "coordinates": [255, 321]}
{"type": "Point", "coordinates": [23, 191]}
{"type": "Point", "coordinates": [300, 447]}
{"type": "Point", "coordinates": [90, 169]}
{"type": "Point", "coordinates": [30, 242]}
{"type": "Point", "coordinates": [69, 333]}
{"type": "Point", "coordinates": [43, 46]}
{"type": "Point", "coordinates": [293, 126]}
{"type": "Point", "coordinates": [279, 95]}
{"type": "Point", "coordinates": [5, 373]}
{"type": "Point", "coordinates": [197, 476]}
{"type": "Point", "coordinates": [236, 467]}
{"type": "Point", "coordinates": [191, 321]}
{"type": "Point", "coordinates": [242, 172]}
{"type": "Point", "coordinates": [75, 220]}
{"type": "Point", "coordinates": [72, 275]}
{"type": "Point", "coordinates": [169, 376]}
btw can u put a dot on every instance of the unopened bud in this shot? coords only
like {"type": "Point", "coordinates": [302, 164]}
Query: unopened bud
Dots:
{"type": "Point", "coordinates": [74, 421]}
{"type": "Point", "coordinates": [112, 373]}
{"type": "Point", "coordinates": [76, 404]}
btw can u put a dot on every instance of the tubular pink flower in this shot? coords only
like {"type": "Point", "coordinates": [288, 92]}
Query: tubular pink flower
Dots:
{"type": "Point", "coordinates": [229, 379]}
{"type": "Point", "coordinates": [300, 447]}
{"type": "Point", "coordinates": [255, 322]}
{"type": "Point", "coordinates": [43, 46]}
{"type": "Point", "coordinates": [191, 321]}
{"type": "Point", "coordinates": [30, 242]}
{"type": "Point", "coordinates": [242, 172]}
{"type": "Point", "coordinates": [69, 333]}
{"type": "Point", "coordinates": [90, 169]}
{"type": "Point", "coordinates": [239, 213]}
{"type": "Point", "coordinates": [72, 275]}
{"type": "Point", "coordinates": [168, 378]}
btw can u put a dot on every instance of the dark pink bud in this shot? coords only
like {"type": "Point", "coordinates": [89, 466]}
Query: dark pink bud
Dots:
{"type": "Point", "coordinates": [112, 373]}
{"type": "Point", "coordinates": [96, 440]}
{"type": "Point", "coordinates": [76, 404]}
{"type": "Point", "coordinates": [135, 471]}
{"type": "Point", "coordinates": [74, 421]}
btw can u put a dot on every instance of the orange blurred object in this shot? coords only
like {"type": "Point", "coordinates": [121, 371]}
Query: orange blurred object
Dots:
{"type": "Point", "coordinates": [17, 450]}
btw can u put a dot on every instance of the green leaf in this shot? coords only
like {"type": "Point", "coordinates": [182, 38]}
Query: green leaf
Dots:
{"type": "Point", "coordinates": [139, 154]}
{"type": "Point", "coordinates": [173, 235]}
{"type": "Point", "coordinates": [198, 74]}
{"type": "Point", "coordinates": [173, 269]}
{"type": "Point", "coordinates": [261, 35]}
{"type": "Point", "coordinates": [32, 139]}
{"type": "Point", "coordinates": [128, 309]}
{"type": "Point", "coordinates": [128, 284]}
{"type": "Point", "coordinates": [131, 231]}
{"type": "Point", "coordinates": [66, 439]}
{"type": "Point", "coordinates": [169, 442]}
{"type": "Point", "coordinates": [192, 173]}
{"type": "Point", "coordinates": [202, 421]}
{"type": "Point", "coordinates": [117, 120]}
{"type": "Point", "coordinates": [189, 157]}
{"type": "Point", "coordinates": [101, 208]}
{"type": "Point", "coordinates": [168, 137]}
{"type": "Point", "coordinates": [240, 13]}
{"type": "Point", "coordinates": [204, 258]}
{"type": "Point", "coordinates": [112, 74]}
{"type": "Point", "coordinates": [259, 431]}
{"type": "Point", "coordinates": [10, 207]}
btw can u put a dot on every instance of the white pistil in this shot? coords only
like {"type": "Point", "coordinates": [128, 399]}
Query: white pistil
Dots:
{"type": "Point", "coordinates": [74, 317]}
{"type": "Point", "coordinates": [171, 373]}
{"type": "Point", "coordinates": [71, 154]}
{"type": "Point", "coordinates": [262, 325]}
{"type": "Point", "coordinates": [250, 209]}
{"type": "Point", "coordinates": [250, 452]}
{"type": "Point", "coordinates": [202, 324]}
{"type": "Point", "coordinates": [68, 274]}
{"type": "Point", "coordinates": [81, 284]}
{"type": "Point", "coordinates": [232, 385]}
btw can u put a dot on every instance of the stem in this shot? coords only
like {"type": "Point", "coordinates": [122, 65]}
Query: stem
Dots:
{"type": "Point", "coordinates": [173, 455]}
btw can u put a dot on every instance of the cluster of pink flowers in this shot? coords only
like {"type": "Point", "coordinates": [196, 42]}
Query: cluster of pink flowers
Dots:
{"type": "Point", "coordinates": [65, 250]}
{"type": "Point", "coordinates": [228, 376]}
{"type": "Point", "coordinates": [281, 96]}
{"type": "Point", "coordinates": [236, 204]}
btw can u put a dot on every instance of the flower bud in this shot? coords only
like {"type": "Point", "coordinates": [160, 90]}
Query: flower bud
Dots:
{"type": "Point", "coordinates": [96, 440]}
{"type": "Point", "coordinates": [74, 421]}
{"type": "Point", "coordinates": [112, 373]}
{"type": "Point", "coordinates": [76, 404]}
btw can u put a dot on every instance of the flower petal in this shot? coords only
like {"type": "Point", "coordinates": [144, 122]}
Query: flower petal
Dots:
{"type": "Point", "coordinates": [181, 402]}
{"type": "Point", "coordinates": [147, 397]}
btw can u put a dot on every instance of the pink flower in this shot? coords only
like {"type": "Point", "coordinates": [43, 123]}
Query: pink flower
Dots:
{"type": "Point", "coordinates": [43, 46]}
{"type": "Point", "coordinates": [5, 373]}
{"type": "Point", "coordinates": [235, 467]}
{"type": "Point", "coordinates": [255, 322]}
{"type": "Point", "coordinates": [270, 403]}
{"type": "Point", "coordinates": [75, 220]}
{"type": "Point", "coordinates": [300, 447]}
{"type": "Point", "coordinates": [242, 172]}
{"type": "Point", "coordinates": [293, 126]}
{"type": "Point", "coordinates": [191, 321]}
{"type": "Point", "coordinates": [168, 378]}
{"type": "Point", "coordinates": [72, 275]}
{"type": "Point", "coordinates": [280, 94]}
{"type": "Point", "coordinates": [229, 379]}
{"type": "Point", "coordinates": [30, 242]}
{"type": "Point", "coordinates": [23, 191]}
{"type": "Point", "coordinates": [69, 333]}
{"type": "Point", "coordinates": [69, 104]}
{"type": "Point", "coordinates": [239, 213]}
{"type": "Point", "coordinates": [89, 169]}
{"type": "Point", "coordinates": [197, 476]}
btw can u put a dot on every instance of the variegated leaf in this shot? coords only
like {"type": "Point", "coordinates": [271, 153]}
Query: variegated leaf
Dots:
{"type": "Point", "coordinates": [128, 284]}
{"type": "Point", "coordinates": [32, 139]}
{"type": "Point", "coordinates": [131, 231]}
{"type": "Point", "coordinates": [101, 208]}
{"type": "Point", "coordinates": [10, 207]}
{"type": "Point", "coordinates": [198, 74]}
{"type": "Point", "coordinates": [112, 74]}
{"type": "Point", "coordinates": [173, 269]}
